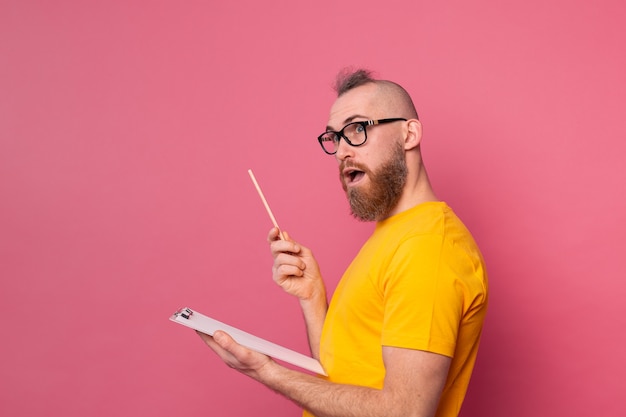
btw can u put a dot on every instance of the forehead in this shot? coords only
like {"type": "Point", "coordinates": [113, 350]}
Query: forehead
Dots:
{"type": "Point", "coordinates": [359, 102]}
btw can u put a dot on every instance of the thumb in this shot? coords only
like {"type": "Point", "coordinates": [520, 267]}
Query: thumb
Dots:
{"type": "Point", "coordinates": [222, 339]}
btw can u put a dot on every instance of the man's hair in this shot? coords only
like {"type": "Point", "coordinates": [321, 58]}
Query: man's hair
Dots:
{"type": "Point", "coordinates": [348, 79]}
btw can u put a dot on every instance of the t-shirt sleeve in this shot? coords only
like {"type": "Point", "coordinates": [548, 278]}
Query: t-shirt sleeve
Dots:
{"type": "Point", "coordinates": [422, 305]}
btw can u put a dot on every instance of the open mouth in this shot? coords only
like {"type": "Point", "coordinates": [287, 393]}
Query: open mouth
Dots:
{"type": "Point", "coordinates": [352, 176]}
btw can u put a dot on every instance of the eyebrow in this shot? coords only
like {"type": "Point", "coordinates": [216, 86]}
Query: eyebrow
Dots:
{"type": "Point", "coordinates": [348, 121]}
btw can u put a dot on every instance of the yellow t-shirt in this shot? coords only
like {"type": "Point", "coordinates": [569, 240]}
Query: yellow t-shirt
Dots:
{"type": "Point", "coordinates": [419, 282]}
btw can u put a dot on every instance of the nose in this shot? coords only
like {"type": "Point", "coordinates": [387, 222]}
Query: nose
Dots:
{"type": "Point", "coordinates": [344, 150]}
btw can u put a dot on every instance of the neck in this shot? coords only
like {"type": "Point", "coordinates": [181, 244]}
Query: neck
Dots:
{"type": "Point", "coordinates": [417, 190]}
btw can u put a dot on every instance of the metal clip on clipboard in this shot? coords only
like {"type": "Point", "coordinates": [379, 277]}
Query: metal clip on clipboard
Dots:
{"type": "Point", "coordinates": [184, 312]}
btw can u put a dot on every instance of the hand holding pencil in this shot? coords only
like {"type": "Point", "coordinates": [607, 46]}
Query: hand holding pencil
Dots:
{"type": "Point", "coordinates": [296, 271]}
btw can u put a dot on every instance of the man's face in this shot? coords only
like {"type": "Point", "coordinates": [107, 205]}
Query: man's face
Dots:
{"type": "Point", "coordinates": [374, 201]}
{"type": "Point", "coordinates": [372, 175]}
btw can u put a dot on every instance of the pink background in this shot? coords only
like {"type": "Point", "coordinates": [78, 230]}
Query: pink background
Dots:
{"type": "Point", "coordinates": [126, 129]}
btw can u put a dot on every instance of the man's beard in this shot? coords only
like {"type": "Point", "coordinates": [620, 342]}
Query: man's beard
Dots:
{"type": "Point", "coordinates": [375, 202]}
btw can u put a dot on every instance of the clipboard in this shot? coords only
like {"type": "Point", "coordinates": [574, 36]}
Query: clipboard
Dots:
{"type": "Point", "coordinates": [193, 319]}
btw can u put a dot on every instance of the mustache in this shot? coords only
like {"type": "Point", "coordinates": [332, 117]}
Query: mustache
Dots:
{"type": "Point", "coordinates": [352, 164]}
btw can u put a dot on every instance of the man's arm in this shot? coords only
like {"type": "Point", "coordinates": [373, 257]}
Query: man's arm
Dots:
{"type": "Point", "coordinates": [412, 387]}
{"type": "Point", "coordinates": [297, 272]}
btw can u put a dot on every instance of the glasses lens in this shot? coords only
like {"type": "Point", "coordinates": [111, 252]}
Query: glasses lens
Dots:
{"type": "Point", "coordinates": [355, 132]}
{"type": "Point", "coordinates": [329, 142]}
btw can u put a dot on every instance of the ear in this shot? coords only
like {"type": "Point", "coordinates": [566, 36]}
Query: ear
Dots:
{"type": "Point", "coordinates": [413, 135]}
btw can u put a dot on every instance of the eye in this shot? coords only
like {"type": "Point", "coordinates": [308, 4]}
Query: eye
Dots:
{"type": "Point", "coordinates": [359, 128]}
{"type": "Point", "coordinates": [330, 137]}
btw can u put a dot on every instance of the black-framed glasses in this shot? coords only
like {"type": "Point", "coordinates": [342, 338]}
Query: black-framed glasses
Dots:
{"type": "Point", "coordinates": [355, 134]}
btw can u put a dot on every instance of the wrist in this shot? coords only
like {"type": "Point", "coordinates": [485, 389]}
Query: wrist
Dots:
{"type": "Point", "coordinates": [269, 374]}
{"type": "Point", "coordinates": [316, 298]}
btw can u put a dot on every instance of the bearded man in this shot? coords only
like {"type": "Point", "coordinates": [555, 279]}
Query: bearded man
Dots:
{"type": "Point", "coordinates": [401, 333]}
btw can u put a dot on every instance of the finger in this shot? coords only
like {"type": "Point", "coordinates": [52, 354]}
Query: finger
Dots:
{"type": "Point", "coordinates": [288, 259]}
{"type": "Point", "coordinates": [237, 356]}
{"type": "Point", "coordinates": [222, 344]}
{"type": "Point", "coordinates": [211, 343]}
{"type": "Point", "coordinates": [273, 235]}
{"type": "Point", "coordinates": [219, 339]}
{"type": "Point", "coordinates": [223, 340]}
{"type": "Point", "coordinates": [296, 247]}
{"type": "Point", "coordinates": [279, 247]}
{"type": "Point", "coordinates": [286, 272]}
{"type": "Point", "coordinates": [287, 237]}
